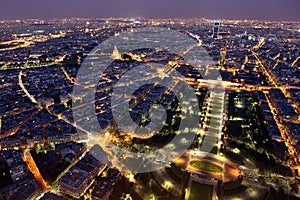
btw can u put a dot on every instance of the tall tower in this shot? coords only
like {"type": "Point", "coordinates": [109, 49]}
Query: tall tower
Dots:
{"type": "Point", "coordinates": [216, 29]}
{"type": "Point", "coordinates": [45, 138]}
{"type": "Point", "coordinates": [222, 60]}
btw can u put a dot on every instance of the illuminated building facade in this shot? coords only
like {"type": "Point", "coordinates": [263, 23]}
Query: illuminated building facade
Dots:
{"type": "Point", "coordinates": [216, 29]}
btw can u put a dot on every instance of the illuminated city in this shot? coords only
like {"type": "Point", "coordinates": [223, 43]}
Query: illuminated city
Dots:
{"type": "Point", "coordinates": [246, 141]}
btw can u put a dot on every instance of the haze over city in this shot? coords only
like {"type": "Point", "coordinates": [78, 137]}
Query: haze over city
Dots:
{"type": "Point", "coordinates": [213, 9]}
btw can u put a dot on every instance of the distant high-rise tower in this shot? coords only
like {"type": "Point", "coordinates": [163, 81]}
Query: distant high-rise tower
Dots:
{"type": "Point", "coordinates": [222, 60]}
{"type": "Point", "coordinates": [216, 29]}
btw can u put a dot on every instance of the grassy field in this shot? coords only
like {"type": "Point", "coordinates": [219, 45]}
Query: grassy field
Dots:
{"type": "Point", "coordinates": [200, 192]}
{"type": "Point", "coordinates": [206, 166]}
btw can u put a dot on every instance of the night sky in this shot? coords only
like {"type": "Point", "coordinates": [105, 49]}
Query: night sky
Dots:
{"type": "Point", "coordinates": [213, 9]}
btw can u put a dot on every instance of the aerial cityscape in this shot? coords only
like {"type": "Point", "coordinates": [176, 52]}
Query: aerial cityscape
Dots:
{"type": "Point", "coordinates": [139, 108]}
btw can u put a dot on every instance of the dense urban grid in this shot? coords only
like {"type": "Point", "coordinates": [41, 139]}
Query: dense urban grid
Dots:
{"type": "Point", "coordinates": [257, 151]}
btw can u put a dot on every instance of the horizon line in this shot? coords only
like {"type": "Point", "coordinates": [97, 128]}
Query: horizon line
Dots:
{"type": "Point", "coordinates": [148, 18]}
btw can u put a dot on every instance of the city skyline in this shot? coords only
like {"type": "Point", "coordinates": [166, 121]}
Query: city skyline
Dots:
{"type": "Point", "coordinates": [143, 108]}
{"type": "Point", "coordinates": [275, 10]}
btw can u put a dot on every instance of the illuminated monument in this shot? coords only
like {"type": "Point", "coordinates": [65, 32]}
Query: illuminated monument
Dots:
{"type": "Point", "coordinates": [116, 54]}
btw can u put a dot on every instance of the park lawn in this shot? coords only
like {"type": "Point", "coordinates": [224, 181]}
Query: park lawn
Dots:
{"type": "Point", "coordinates": [206, 166]}
{"type": "Point", "coordinates": [201, 192]}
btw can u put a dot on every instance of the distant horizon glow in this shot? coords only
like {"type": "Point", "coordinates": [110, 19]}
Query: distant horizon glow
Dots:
{"type": "Point", "coordinates": [273, 10]}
